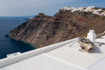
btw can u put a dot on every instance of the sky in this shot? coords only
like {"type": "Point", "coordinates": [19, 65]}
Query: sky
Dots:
{"type": "Point", "coordinates": [49, 7]}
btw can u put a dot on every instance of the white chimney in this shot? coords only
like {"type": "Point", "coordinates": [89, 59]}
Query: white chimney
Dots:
{"type": "Point", "coordinates": [91, 36]}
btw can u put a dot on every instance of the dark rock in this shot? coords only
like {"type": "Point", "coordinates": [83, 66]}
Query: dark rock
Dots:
{"type": "Point", "coordinates": [6, 35]}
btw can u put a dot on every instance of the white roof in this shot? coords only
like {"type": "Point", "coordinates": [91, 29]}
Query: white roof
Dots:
{"type": "Point", "coordinates": [70, 53]}
{"type": "Point", "coordinates": [66, 57]}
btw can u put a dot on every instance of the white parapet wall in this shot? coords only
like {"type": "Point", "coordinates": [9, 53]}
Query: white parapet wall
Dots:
{"type": "Point", "coordinates": [12, 60]}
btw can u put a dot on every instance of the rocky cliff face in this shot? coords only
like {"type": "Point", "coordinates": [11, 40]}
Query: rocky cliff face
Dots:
{"type": "Point", "coordinates": [43, 30]}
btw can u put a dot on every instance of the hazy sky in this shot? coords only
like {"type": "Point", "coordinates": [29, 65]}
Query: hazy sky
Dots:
{"type": "Point", "coordinates": [33, 7]}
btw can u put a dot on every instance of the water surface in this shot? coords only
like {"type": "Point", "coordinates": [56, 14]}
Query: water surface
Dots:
{"type": "Point", "coordinates": [8, 46]}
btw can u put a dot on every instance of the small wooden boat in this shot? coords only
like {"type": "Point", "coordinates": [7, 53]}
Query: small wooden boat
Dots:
{"type": "Point", "coordinates": [85, 44]}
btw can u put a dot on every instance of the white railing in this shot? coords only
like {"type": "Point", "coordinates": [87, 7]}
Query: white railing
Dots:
{"type": "Point", "coordinates": [101, 34]}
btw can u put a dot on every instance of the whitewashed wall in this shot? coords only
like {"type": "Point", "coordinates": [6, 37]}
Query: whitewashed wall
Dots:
{"type": "Point", "coordinates": [8, 61]}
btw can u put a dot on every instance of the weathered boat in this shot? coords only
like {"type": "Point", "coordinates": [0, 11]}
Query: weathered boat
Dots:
{"type": "Point", "coordinates": [85, 44]}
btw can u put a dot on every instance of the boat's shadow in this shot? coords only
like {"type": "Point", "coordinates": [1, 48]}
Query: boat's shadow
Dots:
{"type": "Point", "coordinates": [96, 49]}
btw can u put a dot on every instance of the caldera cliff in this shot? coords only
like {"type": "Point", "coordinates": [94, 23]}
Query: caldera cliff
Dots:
{"type": "Point", "coordinates": [68, 23]}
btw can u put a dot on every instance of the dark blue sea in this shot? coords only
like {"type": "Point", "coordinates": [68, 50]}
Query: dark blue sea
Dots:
{"type": "Point", "coordinates": [8, 46]}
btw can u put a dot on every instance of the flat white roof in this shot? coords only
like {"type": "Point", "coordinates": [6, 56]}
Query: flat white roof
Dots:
{"type": "Point", "coordinates": [70, 53]}
{"type": "Point", "coordinates": [67, 57]}
{"type": "Point", "coordinates": [40, 62]}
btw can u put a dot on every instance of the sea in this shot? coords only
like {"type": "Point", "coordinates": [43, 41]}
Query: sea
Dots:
{"type": "Point", "coordinates": [7, 45]}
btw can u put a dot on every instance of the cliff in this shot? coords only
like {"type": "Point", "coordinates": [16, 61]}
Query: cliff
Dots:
{"type": "Point", "coordinates": [43, 30]}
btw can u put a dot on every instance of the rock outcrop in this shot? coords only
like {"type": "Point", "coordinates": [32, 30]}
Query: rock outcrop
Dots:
{"type": "Point", "coordinates": [43, 30]}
